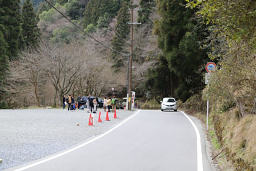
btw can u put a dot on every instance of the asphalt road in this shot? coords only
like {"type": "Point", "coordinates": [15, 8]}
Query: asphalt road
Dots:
{"type": "Point", "coordinates": [30, 134]}
{"type": "Point", "coordinates": [148, 140]}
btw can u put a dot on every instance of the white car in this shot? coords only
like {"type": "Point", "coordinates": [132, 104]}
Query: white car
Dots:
{"type": "Point", "coordinates": [169, 103]}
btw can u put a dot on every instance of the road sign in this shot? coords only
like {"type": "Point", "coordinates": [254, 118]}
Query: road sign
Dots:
{"type": "Point", "coordinates": [210, 67]}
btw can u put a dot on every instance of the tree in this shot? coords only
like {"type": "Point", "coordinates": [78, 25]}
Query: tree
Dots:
{"type": "Point", "coordinates": [4, 67]}
{"type": "Point", "coordinates": [98, 8]}
{"type": "Point", "coordinates": [179, 36]}
{"type": "Point", "coordinates": [62, 69]}
{"type": "Point", "coordinates": [145, 10]}
{"type": "Point", "coordinates": [33, 66]}
{"type": "Point", "coordinates": [62, 1]}
{"type": "Point", "coordinates": [233, 24]}
{"type": "Point", "coordinates": [10, 18]}
{"type": "Point", "coordinates": [157, 78]}
{"type": "Point", "coordinates": [75, 9]}
{"type": "Point", "coordinates": [30, 31]}
{"type": "Point", "coordinates": [122, 31]}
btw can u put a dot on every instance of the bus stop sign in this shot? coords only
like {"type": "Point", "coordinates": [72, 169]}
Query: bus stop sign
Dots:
{"type": "Point", "coordinates": [210, 67]}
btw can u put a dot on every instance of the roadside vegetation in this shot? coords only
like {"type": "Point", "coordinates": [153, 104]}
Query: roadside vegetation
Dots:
{"type": "Point", "coordinates": [232, 88]}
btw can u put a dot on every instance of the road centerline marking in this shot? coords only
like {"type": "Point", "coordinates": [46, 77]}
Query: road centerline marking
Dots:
{"type": "Point", "coordinates": [79, 146]}
{"type": "Point", "coordinates": [199, 147]}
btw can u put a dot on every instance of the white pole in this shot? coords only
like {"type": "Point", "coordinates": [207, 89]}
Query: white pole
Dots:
{"type": "Point", "coordinates": [207, 117]}
{"type": "Point", "coordinates": [127, 104]}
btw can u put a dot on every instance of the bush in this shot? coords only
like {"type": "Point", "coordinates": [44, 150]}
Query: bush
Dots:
{"type": "Point", "coordinates": [3, 105]}
{"type": "Point", "coordinates": [51, 15]}
{"type": "Point", "coordinates": [74, 9]}
{"type": "Point", "coordinates": [227, 105]}
{"type": "Point", "coordinates": [47, 15]}
{"type": "Point", "coordinates": [150, 104]}
{"type": "Point", "coordinates": [195, 104]}
{"type": "Point", "coordinates": [61, 34]}
{"type": "Point", "coordinates": [89, 29]}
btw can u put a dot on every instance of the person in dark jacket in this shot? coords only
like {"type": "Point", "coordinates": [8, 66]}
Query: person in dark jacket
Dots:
{"type": "Point", "coordinates": [64, 102]}
{"type": "Point", "coordinates": [79, 102]}
{"type": "Point", "coordinates": [73, 107]}
{"type": "Point", "coordinates": [90, 99]}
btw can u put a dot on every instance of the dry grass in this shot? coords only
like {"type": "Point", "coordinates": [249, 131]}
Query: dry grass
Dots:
{"type": "Point", "coordinates": [239, 136]}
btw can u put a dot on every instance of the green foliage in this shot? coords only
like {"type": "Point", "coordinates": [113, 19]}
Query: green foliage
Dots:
{"type": "Point", "coordinates": [63, 35]}
{"type": "Point", "coordinates": [234, 25]}
{"type": "Point", "coordinates": [227, 105]}
{"type": "Point", "coordinates": [98, 8]}
{"type": "Point", "coordinates": [50, 15]}
{"type": "Point", "coordinates": [104, 21]}
{"type": "Point", "coordinates": [89, 29]}
{"type": "Point", "coordinates": [75, 9]}
{"type": "Point", "coordinates": [4, 67]}
{"type": "Point", "coordinates": [235, 19]}
{"type": "Point", "coordinates": [121, 34]}
{"type": "Point", "coordinates": [62, 1]}
{"type": "Point", "coordinates": [60, 35]}
{"type": "Point", "coordinates": [44, 6]}
{"type": "Point", "coordinates": [34, 2]}
{"type": "Point", "coordinates": [179, 36]}
{"type": "Point", "coordinates": [214, 139]}
{"type": "Point", "coordinates": [10, 18]}
{"type": "Point", "coordinates": [30, 31]}
{"type": "Point", "coordinates": [145, 10]}
{"type": "Point", "coordinates": [159, 79]}
{"type": "Point", "coordinates": [47, 15]}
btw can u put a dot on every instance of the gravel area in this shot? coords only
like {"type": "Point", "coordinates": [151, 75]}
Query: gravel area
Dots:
{"type": "Point", "coordinates": [31, 134]}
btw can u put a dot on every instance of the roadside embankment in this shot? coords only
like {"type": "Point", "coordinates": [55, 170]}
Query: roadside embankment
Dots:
{"type": "Point", "coordinates": [232, 137]}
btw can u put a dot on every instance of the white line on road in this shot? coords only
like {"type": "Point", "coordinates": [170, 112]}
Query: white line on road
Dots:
{"type": "Point", "coordinates": [79, 146]}
{"type": "Point", "coordinates": [199, 149]}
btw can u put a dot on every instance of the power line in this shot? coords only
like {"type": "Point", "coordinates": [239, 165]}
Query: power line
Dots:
{"type": "Point", "coordinates": [81, 29]}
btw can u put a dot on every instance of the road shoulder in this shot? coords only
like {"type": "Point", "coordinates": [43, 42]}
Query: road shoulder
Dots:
{"type": "Point", "coordinates": [208, 164]}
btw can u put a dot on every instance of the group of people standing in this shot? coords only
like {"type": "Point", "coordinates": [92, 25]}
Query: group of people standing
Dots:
{"type": "Point", "coordinates": [70, 101]}
{"type": "Point", "coordinates": [109, 103]}
{"type": "Point", "coordinates": [91, 103]}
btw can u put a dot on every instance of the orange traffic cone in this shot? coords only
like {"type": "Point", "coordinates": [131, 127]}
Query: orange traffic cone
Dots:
{"type": "Point", "coordinates": [90, 120]}
{"type": "Point", "coordinates": [99, 120]}
{"type": "Point", "coordinates": [115, 114]}
{"type": "Point", "coordinates": [107, 118]}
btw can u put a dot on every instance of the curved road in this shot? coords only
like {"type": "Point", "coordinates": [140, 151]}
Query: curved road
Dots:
{"type": "Point", "coordinates": [148, 140]}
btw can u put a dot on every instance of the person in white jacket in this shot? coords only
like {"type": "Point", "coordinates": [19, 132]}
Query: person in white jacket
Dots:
{"type": "Point", "coordinates": [105, 103]}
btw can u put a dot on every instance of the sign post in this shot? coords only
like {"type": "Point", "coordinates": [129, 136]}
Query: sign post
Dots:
{"type": "Point", "coordinates": [210, 67]}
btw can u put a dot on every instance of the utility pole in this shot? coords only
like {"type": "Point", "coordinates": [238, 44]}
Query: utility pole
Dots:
{"type": "Point", "coordinates": [129, 91]}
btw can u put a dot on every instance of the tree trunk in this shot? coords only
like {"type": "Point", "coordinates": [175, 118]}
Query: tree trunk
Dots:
{"type": "Point", "coordinates": [36, 93]}
{"type": "Point", "coordinates": [55, 98]}
{"type": "Point", "coordinates": [61, 98]}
